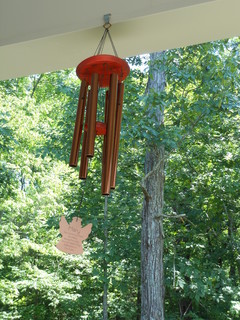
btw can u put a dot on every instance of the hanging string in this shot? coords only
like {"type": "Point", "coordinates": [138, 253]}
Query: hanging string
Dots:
{"type": "Point", "coordinates": [113, 46]}
{"type": "Point", "coordinates": [83, 192]}
{"type": "Point", "coordinates": [105, 265]}
{"type": "Point", "coordinates": [101, 44]}
{"type": "Point", "coordinates": [105, 207]}
{"type": "Point", "coordinates": [105, 224]}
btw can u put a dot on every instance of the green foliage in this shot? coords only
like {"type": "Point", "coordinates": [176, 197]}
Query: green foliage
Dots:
{"type": "Point", "coordinates": [37, 187]}
{"type": "Point", "coordinates": [201, 138]}
{"type": "Point", "coordinates": [202, 180]}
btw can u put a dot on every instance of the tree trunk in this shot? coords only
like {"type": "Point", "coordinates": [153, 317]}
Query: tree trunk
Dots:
{"type": "Point", "coordinates": [152, 297]}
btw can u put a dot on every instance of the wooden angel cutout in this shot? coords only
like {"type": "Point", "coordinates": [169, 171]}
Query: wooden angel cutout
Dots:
{"type": "Point", "coordinates": [72, 235]}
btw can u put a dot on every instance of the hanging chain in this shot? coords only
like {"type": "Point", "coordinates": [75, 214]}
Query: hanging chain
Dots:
{"type": "Point", "coordinates": [101, 44]}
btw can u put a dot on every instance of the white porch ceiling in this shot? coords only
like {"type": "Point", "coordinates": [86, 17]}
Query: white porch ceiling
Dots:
{"type": "Point", "coordinates": [37, 36]}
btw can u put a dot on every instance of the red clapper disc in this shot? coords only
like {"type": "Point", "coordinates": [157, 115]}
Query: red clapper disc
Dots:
{"type": "Point", "coordinates": [104, 65]}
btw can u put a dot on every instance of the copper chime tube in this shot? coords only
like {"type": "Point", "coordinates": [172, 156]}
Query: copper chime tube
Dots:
{"type": "Point", "coordinates": [106, 106]}
{"type": "Point", "coordinates": [117, 134]}
{"type": "Point", "coordinates": [91, 124]}
{"type": "Point", "coordinates": [78, 125]}
{"type": "Point", "coordinates": [109, 138]}
{"type": "Point", "coordinates": [84, 159]}
{"type": "Point", "coordinates": [105, 137]}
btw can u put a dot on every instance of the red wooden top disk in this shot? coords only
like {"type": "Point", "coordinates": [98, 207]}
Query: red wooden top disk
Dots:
{"type": "Point", "coordinates": [104, 65]}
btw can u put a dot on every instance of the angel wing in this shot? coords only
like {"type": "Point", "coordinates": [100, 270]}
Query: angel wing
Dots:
{"type": "Point", "coordinates": [86, 231]}
{"type": "Point", "coordinates": [63, 225]}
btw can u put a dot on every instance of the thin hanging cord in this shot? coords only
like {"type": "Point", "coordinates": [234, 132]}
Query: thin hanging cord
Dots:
{"type": "Point", "coordinates": [101, 44]}
{"type": "Point", "coordinates": [113, 46]}
{"type": "Point", "coordinates": [104, 39]}
{"type": "Point", "coordinates": [105, 206]}
{"type": "Point", "coordinates": [105, 265]}
{"type": "Point", "coordinates": [80, 204]}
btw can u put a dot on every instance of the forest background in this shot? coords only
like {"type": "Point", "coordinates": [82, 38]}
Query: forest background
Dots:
{"type": "Point", "coordinates": [200, 135]}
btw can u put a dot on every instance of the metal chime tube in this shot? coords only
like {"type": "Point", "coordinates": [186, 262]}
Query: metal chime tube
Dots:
{"type": "Point", "coordinates": [78, 125]}
{"type": "Point", "coordinates": [117, 134]}
{"type": "Point", "coordinates": [106, 106]}
{"type": "Point", "coordinates": [84, 159]}
{"type": "Point", "coordinates": [105, 137]}
{"type": "Point", "coordinates": [110, 131]}
{"type": "Point", "coordinates": [91, 124]}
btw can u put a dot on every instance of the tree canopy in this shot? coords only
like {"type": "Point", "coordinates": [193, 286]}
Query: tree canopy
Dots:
{"type": "Point", "coordinates": [201, 137]}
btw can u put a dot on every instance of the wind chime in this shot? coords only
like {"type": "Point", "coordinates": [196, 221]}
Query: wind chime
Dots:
{"type": "Point", "coordinates": [100, 71]}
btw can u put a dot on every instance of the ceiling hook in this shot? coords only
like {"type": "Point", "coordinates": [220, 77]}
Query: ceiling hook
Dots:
{"type": "Point", "coordinates": [107, 23]}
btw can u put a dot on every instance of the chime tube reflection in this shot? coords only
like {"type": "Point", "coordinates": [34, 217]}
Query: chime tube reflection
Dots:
{"type": "Point", "coordinates": [91, 124]}
{"type": "Point", "coordinates": [104, 141]}
{"type": "Point", "coordinates": [117, 134]}
{"type": "Point", "coordinates": [84, 159]}
{"type": "Point", "coordinates": [109, 138]}
{"type": "Point", "coordinates": [78, 125]}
